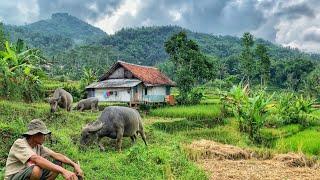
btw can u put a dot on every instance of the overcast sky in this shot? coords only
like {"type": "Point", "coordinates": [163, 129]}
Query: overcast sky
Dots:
{"type": "Point", "coordinates": [294, 23]}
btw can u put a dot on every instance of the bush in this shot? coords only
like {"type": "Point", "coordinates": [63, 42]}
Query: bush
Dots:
{"type": "Point", "coordinates": [293, 109]}
{"type": "Point", "coordinates": [192, 98]}
{"type": "Point", "coordinates": [249, 109]}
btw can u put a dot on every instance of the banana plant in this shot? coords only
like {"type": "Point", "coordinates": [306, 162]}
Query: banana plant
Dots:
{"type": "Point", "coordinates": [19, 69]}
{"type": "Point", "coordinates": [249, 109]}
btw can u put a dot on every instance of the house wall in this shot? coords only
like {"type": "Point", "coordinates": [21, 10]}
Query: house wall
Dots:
{"type": "Point", "coordinates": [134, 94]}
{"type": "Point", "coordinates": [155, 94]}
{"type": "Point", "coordinates": [137, 93]}
{"type": "Point", "coordinates": [118, 95]}
{"type": "Point", "coordinates": [121, 73]}
{"type": "Point", "coordinates": [117, 74]}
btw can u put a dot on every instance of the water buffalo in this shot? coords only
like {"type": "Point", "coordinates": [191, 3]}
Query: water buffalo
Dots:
{"type": "Point", "coordinates": [89, 103]}
{"type": "Point", "coordinates": [62, 99]}
{"type": "Point", "coordinates": [115, 122]}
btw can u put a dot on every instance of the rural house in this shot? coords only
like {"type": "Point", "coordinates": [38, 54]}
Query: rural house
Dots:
{"type": "Point", "coordinates": [131, 83]}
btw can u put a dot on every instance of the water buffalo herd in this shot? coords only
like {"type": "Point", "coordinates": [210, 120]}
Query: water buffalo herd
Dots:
{"type": "Point", "coordinates": [114, 122]}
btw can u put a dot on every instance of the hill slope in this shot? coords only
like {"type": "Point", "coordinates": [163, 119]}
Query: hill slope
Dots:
{"type": "Point", "coordinates": [58, 34]}
{"type": "Point", "coordinates": [68, 26]}
{"type": "Point", "coordinates": [69, 42]}
{"type": "Point", "coordinates": [145, 45]}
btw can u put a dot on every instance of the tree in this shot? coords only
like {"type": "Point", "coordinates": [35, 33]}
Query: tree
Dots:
{"type": "Point", "coordinates": [190, 65]}
{"type": "Point", "coordinates": [264, 65]}
{"type": "Point", "coordinates": [3, 38]}
{"type": "Point", "coordinates": [296, 70]}
{"type": "Point", "coordinates": [312, 83]}
{"type": "Point", "coordinates": [246, 57]}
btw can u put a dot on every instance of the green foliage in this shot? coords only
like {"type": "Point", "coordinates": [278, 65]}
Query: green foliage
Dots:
{"type": "Point", "coordinates": [268, 136]}
{"type": "Point", "coordinates": [306, 141]}
{"type": "Point", "coordinates": [87, 78]}
{"type": "Point", "coordinates": [167, 68]}
{"type": "Point", "coordinates": [97, 58]}
{"type": "Point", "coordinates": [191, 67]}
{"type": "Point", "coordinates": [264, 64]}
{"type": "Point", "coordinates": [246, 56]}
{"type": "Point", "coordinates": [59, 33]}
{"type": "Point", "coordinates": [294, 109]}
{"type": "Point", "coordinates": [249, 109]}
{"type": "Point", "coordinates": [69, 51]}
{"type": "Point", "coordinates": [20, 69]}
{"type": "Point", "coordinates": [312, 84]}
{"type": "Point", "coordinates": [3, 37]}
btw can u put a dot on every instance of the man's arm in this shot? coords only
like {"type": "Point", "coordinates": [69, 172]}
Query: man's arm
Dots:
{"type": "Point", "coordinates": [44, 163]}
{"type": "Point", "coordinates": [64, 159]}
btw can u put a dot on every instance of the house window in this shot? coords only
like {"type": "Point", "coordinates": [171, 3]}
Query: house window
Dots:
{"type": "Point", "coordinates": [145, 91]}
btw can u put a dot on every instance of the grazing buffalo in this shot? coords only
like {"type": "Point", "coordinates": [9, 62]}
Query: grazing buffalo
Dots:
{"type": "Point", "coordinates": [60, 98]}
{"type": "Point", "coordinates": [86, 104]}
{"type": "Point", "coordinates": [115, 122]}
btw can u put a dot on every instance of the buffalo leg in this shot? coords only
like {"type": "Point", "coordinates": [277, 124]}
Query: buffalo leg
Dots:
{"type": "Point", "coordinates": [119, 138]}
{"type": "Point", "coordinates": [133, 138]}
{"type": "Point", "coordinates": [100, 144]}
{"type": "Point", "coordinates": [93, 107]}
{"type": "Point", "coordinates": [82, 107]}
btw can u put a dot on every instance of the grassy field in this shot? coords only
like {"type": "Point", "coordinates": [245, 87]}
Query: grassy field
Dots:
{"type": "Point", "coordinates": [168, 130]}
{"type": "Point", "coordinates": [307, 142]}
{"type": "Point", "coordinates": [201, 111]}
{"type": "Point", "coordinates": [162, 159]}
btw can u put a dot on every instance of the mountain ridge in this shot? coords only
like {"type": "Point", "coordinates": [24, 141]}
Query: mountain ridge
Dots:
{"type": "Point", "coordinates": [66, 40]}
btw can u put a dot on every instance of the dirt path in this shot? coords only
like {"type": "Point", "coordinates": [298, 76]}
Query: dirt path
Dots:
{"type": "Point", "coordinates": [229, 162]}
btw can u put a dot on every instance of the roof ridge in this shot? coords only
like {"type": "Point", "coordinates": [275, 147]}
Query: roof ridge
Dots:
{"type": "Point", "coordinates": [137, 65]}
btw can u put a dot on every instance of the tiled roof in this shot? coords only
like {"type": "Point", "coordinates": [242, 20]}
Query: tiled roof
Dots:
{"type": "Point", "coordinates": [148, 75]}
{"type": "Point", "coordinates": [114, 83]}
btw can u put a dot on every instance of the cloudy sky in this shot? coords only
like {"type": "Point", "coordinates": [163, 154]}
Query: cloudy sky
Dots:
{"type": "Point", "coordinates": [294, 23]}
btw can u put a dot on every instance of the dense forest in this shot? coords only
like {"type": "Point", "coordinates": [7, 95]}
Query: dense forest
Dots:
{"type": "Point", "coordinates": [70, 45]}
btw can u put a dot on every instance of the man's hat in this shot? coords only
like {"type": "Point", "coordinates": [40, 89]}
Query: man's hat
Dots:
{"type": "Point", "coordinates": [37, 126]}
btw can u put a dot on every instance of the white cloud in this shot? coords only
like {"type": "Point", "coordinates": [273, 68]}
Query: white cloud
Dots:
{"type": "Point", "coordinates": [93, 7]}
{"type": "Point", "coordinates": [110, 23]}
{"type": "Point", "coordinates": [175, 15]}
{"type": "Point", "coordinates": [24, 11]}
{"type": "Point", "coordinates": [293, 23]}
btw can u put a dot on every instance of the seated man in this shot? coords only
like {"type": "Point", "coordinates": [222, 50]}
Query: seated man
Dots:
{"type": "Point", "coordinates": [27, 157]}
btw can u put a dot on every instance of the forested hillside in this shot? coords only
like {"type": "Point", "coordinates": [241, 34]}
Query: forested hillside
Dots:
{"type": "Point", "coordinates": [71, 44]}
{"type": "Point", "coordinates": [55, 35]}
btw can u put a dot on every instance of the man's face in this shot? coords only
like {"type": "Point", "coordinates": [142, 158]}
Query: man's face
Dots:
{"type": "Point", "coordinates": [39, 138]}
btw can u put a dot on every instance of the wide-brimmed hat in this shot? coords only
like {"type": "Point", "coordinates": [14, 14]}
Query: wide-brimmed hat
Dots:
{"type": "Point", "coordinates": [37, 126]}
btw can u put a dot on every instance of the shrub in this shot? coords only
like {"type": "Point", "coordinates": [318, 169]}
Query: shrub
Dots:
{"type": "Point", "coordinates": [20, 69]}
{"type": "Point", "coordinates": [249, 109]}
{"type": "Point", "coordinates": [191, 98]}
{"type": "Point", "coordinates": [293, 109]}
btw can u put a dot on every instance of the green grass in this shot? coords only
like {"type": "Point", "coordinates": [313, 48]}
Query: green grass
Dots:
{"type": "Point", "coordinates": [54, 84]}
{"type": "Point", "coordinates": [306, 141]}
{"type": "Point", "coordinates": [163, 158]}
{"type": "Point", "coordinates": [202, 111]}
{"type": "Point", "coordinates": [270, 135]}
{"type": "Point", "coordinates": [168, 129]}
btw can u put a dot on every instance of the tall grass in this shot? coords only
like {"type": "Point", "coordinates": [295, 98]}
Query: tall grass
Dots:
{"type": "Point", "coordinates": [211, 111]}
{"type": "Point", "coordinates": [306, 141]}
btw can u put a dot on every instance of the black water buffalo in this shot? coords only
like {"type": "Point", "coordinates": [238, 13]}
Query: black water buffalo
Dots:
{"type": "Point", "coordinates": [115, 122]}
